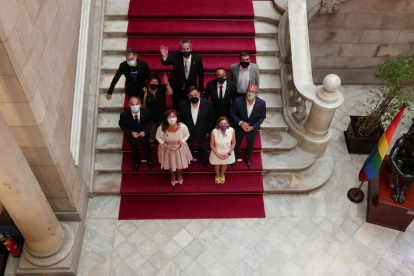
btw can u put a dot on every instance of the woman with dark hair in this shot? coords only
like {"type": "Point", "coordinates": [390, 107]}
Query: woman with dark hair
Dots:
{"type": "Point", "coordinates": [222, 143]}
{"type": "Point", "coordinates": [173, 151]}
{"type": "Point", "coordinates": [153, 98]}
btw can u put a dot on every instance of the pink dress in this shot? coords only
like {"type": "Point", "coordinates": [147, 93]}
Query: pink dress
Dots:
{"type": "Point", "coordinates": [174, 160]}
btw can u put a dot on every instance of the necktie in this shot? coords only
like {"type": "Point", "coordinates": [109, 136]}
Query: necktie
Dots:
{"type": "Point", "coordinates": [221, 93]}
{"type": "Point", "coordinates": [186, 69]}
{"type": "Point", "coordinates": [137, 121]}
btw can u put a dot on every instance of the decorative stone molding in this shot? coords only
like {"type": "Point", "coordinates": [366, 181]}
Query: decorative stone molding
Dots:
{"type": "Point", "coordinates": [331, 6]}
{"type": "Point", "coordinates": [75, 135]}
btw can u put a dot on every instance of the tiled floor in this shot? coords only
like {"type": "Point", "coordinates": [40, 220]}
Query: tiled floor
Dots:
{"type": "Point", "coordinates": [319, 233]}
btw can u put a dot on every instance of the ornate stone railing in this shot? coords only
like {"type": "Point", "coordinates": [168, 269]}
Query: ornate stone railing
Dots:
{"type": "Point", "coordinates": [311, 129]}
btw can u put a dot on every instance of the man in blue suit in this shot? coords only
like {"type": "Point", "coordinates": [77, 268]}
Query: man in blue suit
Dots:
{"type": "Point", "coordinates": [248, 113]}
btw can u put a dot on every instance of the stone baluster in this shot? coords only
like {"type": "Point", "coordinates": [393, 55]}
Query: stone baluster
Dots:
{"type": "Point", "coordinates": [47, 241]}
{"type": "Point", "coordinates": [328, 99]}
{"type": "Point", "coordinates": [300, 112]}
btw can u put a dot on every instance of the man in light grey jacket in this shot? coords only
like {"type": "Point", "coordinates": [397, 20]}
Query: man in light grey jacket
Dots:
{"type": "Point", "coordinates": [244, 73]}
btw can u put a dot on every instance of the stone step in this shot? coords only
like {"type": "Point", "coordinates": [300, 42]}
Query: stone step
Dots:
{"type": "Point", "coordinates": [110, 63]}
{"type": "Point", "coordinates": [117, 46]}
{"type": "Point", "coordinates": [273, 101]}
{"type": "Point", "coordinates": [119, 28]}
{"type": "Point", "coordinates": [294, 182]}
{"type": "Point", "coordinates": [268, 83]}
{"type": "Point", "coordinates": [263, 10]}
{"type": "Point", "coordinates": [283, 174]}
{"type": "Point", "coordinates": [108, 121]}
{"type": "Point", "coordinates": [281, 5]}
{"type": "Point", "coordinates": [271, 140]}
{"type": "Point", "coordinates": [266, 11]}
{"type": "Point", "coordinates": [281, 161]}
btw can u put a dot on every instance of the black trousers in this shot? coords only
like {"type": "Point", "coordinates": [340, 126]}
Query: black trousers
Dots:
{"type": "Point", "coordinates": [250, 136]}
{"type": "Point", "coordinates": [177, 97]}
{"type": "Point", "coordinates": [202, 146]}
{"type": "Point", "coordinates": [134, 143]}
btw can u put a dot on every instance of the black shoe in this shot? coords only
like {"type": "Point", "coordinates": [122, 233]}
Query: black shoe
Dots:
{"type": "Point", "coordinates": [234, 164]}
{"type": "Point", "coordinates": [135, 167]}
{"type": "Point", "coordinates": [150, 164]}
{"type": "Point", "coordinates": [204, 162]}
{"type": "Point", "coordinates": [248, 163]}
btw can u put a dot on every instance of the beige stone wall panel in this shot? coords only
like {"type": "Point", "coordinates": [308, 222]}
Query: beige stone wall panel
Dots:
{"type": "Point", "coordinates": [15, 50]}
{"type": "Point", "coordinates": [330, 62]}
{"type": "Point", "coordinates": [48, 177]}
{"type": "Point", "coordinates": [25, 15]}
{"type": "Point", "coordinates": [11, 90]}
{"type": "Point", "coordinates": [9, 8]}
{"type": "Point", "coordinates": [24, 35]}
{"type": "Point", "coordinates": [28, 137]}
{"type": "Point", "coordinates": [50, 123]}
{"type": "Point", "coordinates": [324, 50]}
{"type": "Point", "coordinates": [380, 36]}
{"type": "Point", "coordinates": [411, 52]}
{"type": "Point", "coordinates": [363, 21]}
{"type": "Point", "coordinates": [357, 50]}
{"type": "Point", "coordinates": [39, 157]}
{"type": "Point", "coordinates": [30, 77]}
{"type": "Point", "coordinates": [61, 205]}
{"type": "Point", "coordinates": [39, 39]}
{"type": "Point", "coordinates": [406, 37]}
{"type": "Point", "coordinates": [366, 63]}
{"type": "Point", "coordinates": [394, 6]}
{"type": "Point", "coordinates": [331, 20]}
{"type": "Point", "coordinates": [48, 14]}
{"type": "Point", "coordinates": [398, 22]}
{"type": "Point", "coordinates": [6, 67]}
{"type": "Point", "coordinates": [387, 50]}
{"type": "Point", "coordinates": [332, 35]}
{"type": "Point", "coordinates": [33, 8]}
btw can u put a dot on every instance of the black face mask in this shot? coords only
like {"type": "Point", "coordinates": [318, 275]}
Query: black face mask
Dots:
{"type": "Point", "coordinates": [244, 64]}
{"type": "Point", "coordinates": [186, 54]}
{"type": "Point", "coordinates": [154, 86]}
{"type": "Point", "coordinates": [221, 79]}
{"type": "Point", "coordinates": [194, 100]}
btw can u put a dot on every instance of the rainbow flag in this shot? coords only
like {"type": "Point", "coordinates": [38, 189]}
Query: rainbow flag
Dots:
{"type": "Point", "coordinates": [374, 160]}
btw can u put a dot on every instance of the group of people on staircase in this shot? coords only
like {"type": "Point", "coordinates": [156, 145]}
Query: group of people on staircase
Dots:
{"type": "Point", "coordinates": [194, 117]}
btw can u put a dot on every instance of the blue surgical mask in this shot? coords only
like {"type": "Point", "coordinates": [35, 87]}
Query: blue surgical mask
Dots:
{"type": "Point", "coordinates": [135, 108]}
{"type": "Point", "coordinates": [131, 63]}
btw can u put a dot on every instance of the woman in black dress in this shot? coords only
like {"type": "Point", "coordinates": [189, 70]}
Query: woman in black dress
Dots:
{"type": "Point", "coordinates": [153, 98]}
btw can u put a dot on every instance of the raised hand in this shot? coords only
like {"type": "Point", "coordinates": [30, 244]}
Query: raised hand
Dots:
{"type": "Point", "coordinates": [164, 51]}
{"type": "Point", "coordinates": [165, 79]}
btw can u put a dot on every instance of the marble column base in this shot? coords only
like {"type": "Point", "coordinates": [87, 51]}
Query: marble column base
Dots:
{"type": "Point", "coordinates": [67, 267]}
{"type": "Point", "coordinates": [78, 215]}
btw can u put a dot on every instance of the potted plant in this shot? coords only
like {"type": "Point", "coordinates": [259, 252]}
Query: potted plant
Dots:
{"type": "Point", "coordinates": [396, 76]}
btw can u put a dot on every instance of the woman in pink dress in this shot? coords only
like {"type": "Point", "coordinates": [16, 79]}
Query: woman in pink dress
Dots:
{"type": "Point", "coordinates": [173, 151]}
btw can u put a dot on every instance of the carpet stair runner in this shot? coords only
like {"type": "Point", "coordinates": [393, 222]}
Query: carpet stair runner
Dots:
{"type": "Point", "coordinates": [199, 196]}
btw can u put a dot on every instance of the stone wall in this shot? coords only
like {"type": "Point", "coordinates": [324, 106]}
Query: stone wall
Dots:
{"type": "Point", "coordinates": [363, 34]}
{"type": "Point", "coordinates": [38, 53]}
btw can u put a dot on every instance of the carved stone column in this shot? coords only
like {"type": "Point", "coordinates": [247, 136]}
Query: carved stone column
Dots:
{"type": "Point", "coordinates": [300, 113]}
{"type": "Point", "coordinates": [47, 241]}
{"type": "Point", "coordinates": [328, 99]}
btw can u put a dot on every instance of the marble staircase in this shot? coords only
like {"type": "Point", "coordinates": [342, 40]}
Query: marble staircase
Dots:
{"type": "Point", "coordinates": [287, 168]}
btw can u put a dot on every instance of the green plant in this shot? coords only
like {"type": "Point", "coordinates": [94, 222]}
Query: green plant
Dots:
{"type": "Point", "coordinates": [396, 75]}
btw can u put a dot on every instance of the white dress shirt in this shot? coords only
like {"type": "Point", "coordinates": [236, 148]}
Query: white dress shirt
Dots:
{"type": "Point", "coordinates": [243, 80]}
{"type": "Point", "coordinates": [133, 115]}
{"type": "Point", "coordinates": [224, 89]}
{"type": "Point", "coordinates": [249, 108]}
{"type": "Point", "coordinates": [194, 112]}
{"type": "Point", "coordinates": [189, 66]}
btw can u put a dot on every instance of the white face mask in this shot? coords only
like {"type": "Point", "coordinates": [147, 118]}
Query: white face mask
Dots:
{"type": "Point", "coordinates": [131, 63]}
{"type": "Point", "coordinates": [251, 96]}
{"type": "Point", "coordinates": [172, 121]}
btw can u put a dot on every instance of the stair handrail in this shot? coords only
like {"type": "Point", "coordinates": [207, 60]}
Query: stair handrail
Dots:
{"type": "Point", "coordinates": [300, 49]}
{"type": "Point", "coordinates": [312, 128]}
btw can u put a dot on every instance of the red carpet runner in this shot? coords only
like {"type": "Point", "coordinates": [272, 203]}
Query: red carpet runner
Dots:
{"type": "Point", "coordinates": [148, 194]}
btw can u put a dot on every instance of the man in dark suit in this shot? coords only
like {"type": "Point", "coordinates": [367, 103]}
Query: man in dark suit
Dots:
{"type": "Point", "coordinates": [137, 123]}
{"type": "Point", "coordinates": [248, 114]}
{"type": "Point", "coordinates": [135, 71]}
{"type": "Point", "coordinates": [198, 115]}
{"type": "Point", "coordinates": [222, 92]}
{"type": "Point", "coordinates": [186, 68]}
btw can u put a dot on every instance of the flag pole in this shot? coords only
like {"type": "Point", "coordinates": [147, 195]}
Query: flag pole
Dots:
{"type": "Point", "coordinates": [356, 195]}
